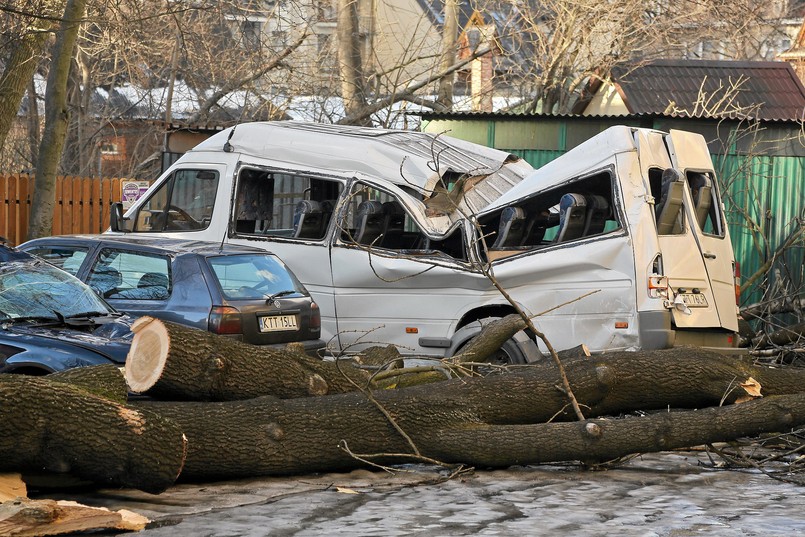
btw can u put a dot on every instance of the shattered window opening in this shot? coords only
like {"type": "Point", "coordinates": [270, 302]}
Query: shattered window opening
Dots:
{"type": "Point", "coordinates": [376, 219]}
{"type": "Point", "coordinates": [579, 209]}
{"type": "Point", "coordinates": [706, 205]}
{"type": "Point", "coordinates": [284, 205]}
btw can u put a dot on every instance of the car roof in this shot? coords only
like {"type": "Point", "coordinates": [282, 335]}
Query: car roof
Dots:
{"type": "Point", "coordinates": [163, 244]}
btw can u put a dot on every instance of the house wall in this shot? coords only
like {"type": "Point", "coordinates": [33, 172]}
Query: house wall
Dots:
{"type": "Point", "coordinates": [606, 102]}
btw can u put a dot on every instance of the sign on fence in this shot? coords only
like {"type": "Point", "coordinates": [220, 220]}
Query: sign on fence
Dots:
{"type": "Point", "coordinates": [130, 191]}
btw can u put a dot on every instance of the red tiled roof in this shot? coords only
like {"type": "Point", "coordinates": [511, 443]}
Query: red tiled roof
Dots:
{"type": "Point", "coordinates": [673, 87]}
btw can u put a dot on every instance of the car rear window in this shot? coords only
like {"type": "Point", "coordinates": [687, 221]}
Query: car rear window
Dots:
{"type": "Point", "coordinates": [255, 276]}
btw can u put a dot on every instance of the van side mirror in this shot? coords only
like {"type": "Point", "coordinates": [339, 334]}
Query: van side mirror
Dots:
{"type": "Point", "coordinates": [116, 221]}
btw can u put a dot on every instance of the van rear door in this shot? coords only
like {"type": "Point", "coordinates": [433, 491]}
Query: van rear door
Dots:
{"type": "Point", "coordinates": [690, 155]}
{"type": "Point", "coordinates": [679, 236]}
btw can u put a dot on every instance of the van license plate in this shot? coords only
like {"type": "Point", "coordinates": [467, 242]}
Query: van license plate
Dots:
{"type": "Point", "coordinates": [694, 300]}
{"type": "Point", "coordinates": [278, 323]}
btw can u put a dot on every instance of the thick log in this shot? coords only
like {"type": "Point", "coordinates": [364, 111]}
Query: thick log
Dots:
{"type": "Point", "coordinates": [279, 437]}
{"type": "Point", "coordinates": [267, 436]}
{"type": "Point", "coordinates": [106, 381]}
{"type": "Point", "coordinates": [171, 361]}
{"type": "Point", "coordinates": [57, 427]}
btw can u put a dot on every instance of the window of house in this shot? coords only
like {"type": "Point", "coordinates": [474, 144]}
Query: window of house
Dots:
{"type": "Point", "coordinates": [182, 203]}
{"type": "Point", "coordinates": [119, 274]}
{"type": "Point", "coordinates": [284, 205]}
{"type": "Point", "coordinates": [376, 219]}
{"type": "Point", "coordinates": [584, 207]}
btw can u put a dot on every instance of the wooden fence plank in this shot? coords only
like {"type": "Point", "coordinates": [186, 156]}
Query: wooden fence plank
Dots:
{"type": "Point", "coordinates": [82, 205]}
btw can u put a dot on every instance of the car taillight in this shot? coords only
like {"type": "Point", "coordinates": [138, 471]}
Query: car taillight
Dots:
{"type": "Point", "coordinates": [736, 274]}
{"type": "Point", "coordinates": [315, 316]}
{"type": "Point", "coordinates": [225, 320]}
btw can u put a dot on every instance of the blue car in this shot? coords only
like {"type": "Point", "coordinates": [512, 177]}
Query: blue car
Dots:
{"type": "Point", "coordinates": [51, 321]}
{"type": "Point", "coordinates": [237, 292]}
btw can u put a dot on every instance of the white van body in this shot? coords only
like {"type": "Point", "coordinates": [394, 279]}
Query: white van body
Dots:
{"type": "Point", "coordinates": [619, 244]}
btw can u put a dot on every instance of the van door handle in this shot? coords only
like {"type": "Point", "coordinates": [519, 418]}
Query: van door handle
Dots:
{"type": "Point", "coordinates": [708, 255]}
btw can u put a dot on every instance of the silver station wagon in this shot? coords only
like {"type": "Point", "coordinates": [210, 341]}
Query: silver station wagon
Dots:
{"type": "Point", "coordinates": [240, 292]}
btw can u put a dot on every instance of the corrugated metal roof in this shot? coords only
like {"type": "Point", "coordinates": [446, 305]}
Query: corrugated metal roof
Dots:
{"type": "Point", "coordinates": [669, 86]}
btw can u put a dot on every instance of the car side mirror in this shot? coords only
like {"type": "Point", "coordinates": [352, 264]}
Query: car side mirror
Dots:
{"type": "Point", "coordinates": [116, 221]}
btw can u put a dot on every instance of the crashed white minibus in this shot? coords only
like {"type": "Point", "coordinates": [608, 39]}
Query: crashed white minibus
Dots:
{"type": "Point", "coordinates": [619, 244]}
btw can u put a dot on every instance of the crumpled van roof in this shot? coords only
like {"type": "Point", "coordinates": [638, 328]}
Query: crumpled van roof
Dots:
{"type": "Point", "coordinates": [405, 158]}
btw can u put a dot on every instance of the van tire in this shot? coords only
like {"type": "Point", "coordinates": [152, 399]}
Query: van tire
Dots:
{"type": "Point", "coordinates": [519, 349]}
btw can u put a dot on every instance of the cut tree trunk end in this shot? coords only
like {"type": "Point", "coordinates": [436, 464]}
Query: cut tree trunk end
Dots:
{"type": "Point", "coordinates": [175, 362]}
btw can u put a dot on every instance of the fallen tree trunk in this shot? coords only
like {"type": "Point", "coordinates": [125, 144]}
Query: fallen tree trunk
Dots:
{"type": "Point", "coordinates": [172, 361]}
{"type": "Point", "coordinates": [274, 437]}
{"type": "Point", "coordinates": [52, 425]}
{"type": "Point", "coordinates": [266, 436]}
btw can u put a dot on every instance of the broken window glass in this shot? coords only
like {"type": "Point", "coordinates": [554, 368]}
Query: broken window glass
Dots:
{"type": "Point", "coordinates": [376, 219]}
{"type": "Point", "coordinates": [284, 205]}
{"type": "Point", "coordinates": [706, 206]}
{"type": "Point", "coordinates": [582, 208]}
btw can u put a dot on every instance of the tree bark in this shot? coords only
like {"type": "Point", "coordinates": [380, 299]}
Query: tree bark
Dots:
{"type": "Point", "coordinates": [171, 361]}
{"type": "Point", "coordinates": [18, 72]}
{"type": "Point", "coordinates": [51, 425]}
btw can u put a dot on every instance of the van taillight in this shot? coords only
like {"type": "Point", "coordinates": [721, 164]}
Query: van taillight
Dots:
{"type": "Point", "coordinates": [225, 320]}
{"type": "Point", "coordinates": [315, 316]}
{"type": "Point", "coordinates": [736, 274]}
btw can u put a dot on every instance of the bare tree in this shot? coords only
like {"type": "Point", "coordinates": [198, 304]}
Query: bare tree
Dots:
{"type": "Point", "coordinates": [56, 121]}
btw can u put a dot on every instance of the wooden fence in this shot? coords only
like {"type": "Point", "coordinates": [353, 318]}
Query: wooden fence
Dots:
{"type": "Point", "coordinates": [83, 205]}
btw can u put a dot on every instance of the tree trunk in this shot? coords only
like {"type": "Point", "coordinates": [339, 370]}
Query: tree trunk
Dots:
{"type": "Point", "coordinates": [18, 72]}
{"type": "Point", "coordinates": [171, 361]}
{"type": "Point", "coordinates": [266, 436]}
{"type": "Point", "coordinates": [350, 59]}
{"type": "Point", "coordinates": [40, 222]}
{"type": "Point", "coordinates": [449, 36]}
{"type": "Point", "coordinates": [53, 426]}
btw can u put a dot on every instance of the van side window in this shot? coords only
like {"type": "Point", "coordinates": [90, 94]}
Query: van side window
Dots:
{"type": "Point", "coordinates": [376, 219]}
{"type": "Point", "coordinates": [667, 189]}
{"type": "Point", "coordinates": [182, 203]}
{"type": "Point", "coordinates": [585, 207]}
{"type": "Point", "coordinates": [283, 205]}
{"type": "Point", "coordinates": [706, 205]}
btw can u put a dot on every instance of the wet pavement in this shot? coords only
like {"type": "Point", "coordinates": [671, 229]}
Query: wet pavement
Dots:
{"type": "Point", "coordinates": [667, 494]}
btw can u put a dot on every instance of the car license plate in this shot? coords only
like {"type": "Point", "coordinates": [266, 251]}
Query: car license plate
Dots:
{"type": "Point", "coordinates": [694, 300]}
{"type": "Point", "coordinates": [278, 323]}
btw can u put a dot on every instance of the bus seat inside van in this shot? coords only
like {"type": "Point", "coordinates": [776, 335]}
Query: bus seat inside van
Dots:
{"type": "Point", "coordinates": [308, 220]}
{"type": "Point", "coordinates": [370, 222]}
{"type": "Point", "coordinates": [512, 228]}
{"type": "Point", "coordinates": [572, 217]}
{"type": "Point", "coordinates": [668, 210]}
